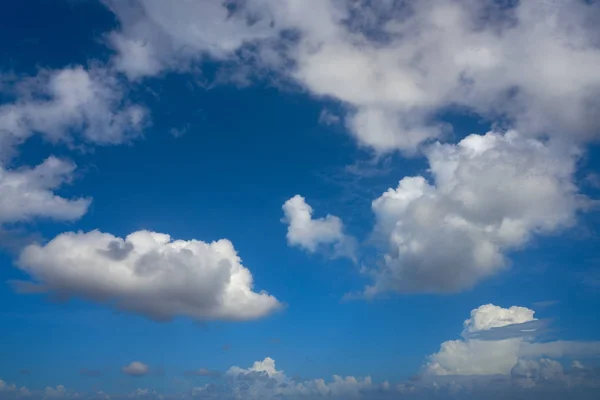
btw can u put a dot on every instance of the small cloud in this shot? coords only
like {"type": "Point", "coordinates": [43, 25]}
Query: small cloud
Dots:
{"type": "Point", "coordinates": [136, 368]}
{"type": "Point", "coordinates": [328, 118]}
{"type": "Point", "coordinates": [179, 132]}
{"type": "Point", "coordinates": [203, 372]}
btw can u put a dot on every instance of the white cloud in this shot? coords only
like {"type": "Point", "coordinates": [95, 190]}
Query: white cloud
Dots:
{"type": "Point", "coordinates": [263, 381]}
{"type": "Point", "coordinates": [395, 64]}
{"type": "Point", "coordinates": [481, 357]}
{"type": "Point", "coordinates": [59, 392]}
{"type": "Point", "coordinates": [520, 357]}
{"type": "Point", "coordinates": [27, 193]}
{"type": "Point", "coordinates": [490, 194]}
{"type": "Point", "coordinates": [156, 36]}
{"type": "Point", "coordinates": [309, 233]}
{"type": "Point", "coordinates": [490, 316]}
{"type": "Point", "coordinates": [136, 368]}
{"type": "Point", "coordinates": [150, 274]}
{"type": "Point", "coordinates": [12, 391]}
{"type": "Point", "coordinates": [62, 105]}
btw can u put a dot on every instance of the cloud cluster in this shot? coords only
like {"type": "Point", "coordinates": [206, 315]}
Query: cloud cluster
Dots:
{"type": "Point", "coordinates": [311, 233]}
{"type": "Point", "coordinates": [73, 106]}
{"type": "Point", "coordinates": [147, 273]}
{"type": "Point", "coordinates": [396, 65]}
{"type": "Point", "coordinates": [489, 194]}
{"type": "Point", "coordinates": [263, 381]}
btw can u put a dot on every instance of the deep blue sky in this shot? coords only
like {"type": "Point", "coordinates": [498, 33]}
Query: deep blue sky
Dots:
{"type": "Point", "coordinates": [245, 151]}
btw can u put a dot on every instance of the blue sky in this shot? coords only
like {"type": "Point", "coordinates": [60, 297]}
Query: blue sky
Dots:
{"type": "Point", "coordinates": [236, 120]}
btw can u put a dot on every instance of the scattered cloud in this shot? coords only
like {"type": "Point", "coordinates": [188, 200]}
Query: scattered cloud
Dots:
{"type": "Point", "coordinates": [312, 233]}
{"type": "Point", "coordinates": [136, 368]}
{"type": "Point", "coordinates": [263, 381]}
{"type": "Point", "coordinates": [148, 273]}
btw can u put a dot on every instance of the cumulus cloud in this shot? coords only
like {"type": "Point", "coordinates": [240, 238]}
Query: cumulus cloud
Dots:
{"type": "Point", "coordinates": [10, 390]}
{"type": "Point", "coordinates": [68, 104]}
{"type": "Point", "coordinates": [60, 392]}
{"type": "Point", "coordinates": [135, 368]}
{"type": "Point", "coordinates": [489, 194]}
{"type": "Point", "coordinates": [310, 233]}
{"type": "Point", "coordinates": [148, 273]}
{"type": "Point", "coordinates": [27, 193]}
{"type": "Point", "coordinates": [263, 381]}
{"type": "Point", "coordinates": [517, 356]}
{"type": "Point", "coordinates": [395, 65]}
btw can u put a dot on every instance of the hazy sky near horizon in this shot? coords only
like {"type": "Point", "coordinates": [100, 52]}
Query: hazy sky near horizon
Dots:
{"type": "Point", "coordinates": [299, 199]}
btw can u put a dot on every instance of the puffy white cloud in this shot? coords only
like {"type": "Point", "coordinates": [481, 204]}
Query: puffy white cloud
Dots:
{"type": "Point", "coordinates": [27, 193]}
{"type": "Point", "coordinates": [490, 316]}
{"type": "Point", "coordinates": [489, 194]}
{"type": "Point", "coordinates": [395, 64]}
{"type": "Point", "coordinates": [481, 357]}
{"type": "Point", "coordinates": [525, 360]}
{"type": "Point", "coordinates": [148, 273]}
{"type": "Point", "coordinates": [72, 102]}
{"type": "Point", "coordinates": [136, 368]}
{"type": "Point", "coordinates": [310, 233]}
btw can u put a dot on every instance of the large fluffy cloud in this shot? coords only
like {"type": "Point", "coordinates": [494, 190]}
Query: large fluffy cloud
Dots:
{"type": "Point", "coordinates": [489, 194]}
{"type": "Point", "coordinates": [148, 273]}
{"type": "Point", "coordinates": [311, 233]}
{"type": "Point", "coordinates": [395, 64]}
{"type": "Point", "coordinates": [508, 354]}
{"type": "Point", "coordinates": [27, 193]}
